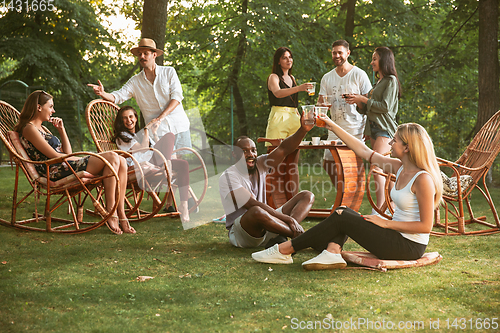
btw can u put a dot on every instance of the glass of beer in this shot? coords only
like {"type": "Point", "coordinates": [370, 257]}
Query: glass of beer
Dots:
{"type": "Point", "coordinates": [312, 90]}
{"type": "Point", "coordinates": [320, 111]}
{"type": "Point", "coordinates": [328, 100]}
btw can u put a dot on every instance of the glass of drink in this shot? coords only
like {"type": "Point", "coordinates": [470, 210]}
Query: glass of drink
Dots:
{"type": "Point", "coordinates": [320, 111]}
{"type": "Point", "coordinates": [327, 100]}
{"type": "Point", "coordinates": [308, 114]}
{"type": "Point", "coordinates": [312, 90]}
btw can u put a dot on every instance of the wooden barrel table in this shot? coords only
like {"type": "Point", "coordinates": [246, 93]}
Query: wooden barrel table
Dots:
{"type": "Point", "coordinates": [347, 173]}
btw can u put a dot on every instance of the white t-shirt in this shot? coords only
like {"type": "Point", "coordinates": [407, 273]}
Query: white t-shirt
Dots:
{"type": "Point", "coordinates": [356, 81]}
{"type": "Point", "coordinates": [233, 179]}
{"type": "Point", "coordinates": [142, 156]}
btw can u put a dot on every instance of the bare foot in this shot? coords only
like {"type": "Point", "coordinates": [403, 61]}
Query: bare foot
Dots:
{"type": "Point", "coordinates": [113, 225]}
{"type": "Point", "coordinates": [126, 227]}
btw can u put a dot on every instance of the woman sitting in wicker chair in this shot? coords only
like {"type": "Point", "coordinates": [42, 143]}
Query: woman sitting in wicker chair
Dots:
{"type": "Point", "coordinates": [128, 138]}
{"type": "Point", "coordinates": [41, 145]}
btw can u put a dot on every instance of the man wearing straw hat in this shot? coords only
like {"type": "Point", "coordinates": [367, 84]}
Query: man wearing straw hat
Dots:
{"type": "Point", "coordinates": [158, 92]}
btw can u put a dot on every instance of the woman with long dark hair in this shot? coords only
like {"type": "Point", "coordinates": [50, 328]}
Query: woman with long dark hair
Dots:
{"type": "Point", "coordinates": [284, 119]}
{"type": "Point", "coordinates": [380, 108]}
{"type": "Point", "coordinates": [282, 90]}
{"type": "Point", "coordinates": [128, 137]}
{"type": "Point", "coordinates": [41, 145]}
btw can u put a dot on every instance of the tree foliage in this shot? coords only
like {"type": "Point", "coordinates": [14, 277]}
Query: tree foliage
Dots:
{"type": "Point", "coordinates": [219, 47]}
{"type": "Point", "coordinates": [60, 51]}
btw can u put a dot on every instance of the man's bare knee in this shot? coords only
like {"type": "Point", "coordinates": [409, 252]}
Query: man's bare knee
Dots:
{"type": "Point", "coordinates": [307, 195]}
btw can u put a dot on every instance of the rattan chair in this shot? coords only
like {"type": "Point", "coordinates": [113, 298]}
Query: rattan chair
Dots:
{"type": "Point", "coordinates": [100, 116]}
{"type": "Point", "coordinates": [468, 172]}
{"type": "Point", "coordinates": [386, 210]}
{"type": "Point", "coordinates": [75, 192]}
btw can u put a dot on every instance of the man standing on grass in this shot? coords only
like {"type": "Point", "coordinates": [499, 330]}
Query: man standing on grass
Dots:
{"type": "Point", "coordinates": [250, 221]}
{"type": "Point", "coordinates": [345, 78]}
{"type": "Point", "coordinates": [158, 92]}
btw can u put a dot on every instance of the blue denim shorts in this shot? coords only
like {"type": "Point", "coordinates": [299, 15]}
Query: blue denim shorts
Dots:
{"type": "Point", "coordinates": [376, 131]}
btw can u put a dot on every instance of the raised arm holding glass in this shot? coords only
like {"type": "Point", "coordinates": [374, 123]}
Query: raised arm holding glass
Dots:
{"type": "Point", "coordinates": [417, 192]}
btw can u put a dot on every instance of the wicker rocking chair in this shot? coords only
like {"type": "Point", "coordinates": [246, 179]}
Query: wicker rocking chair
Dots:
{"type": "Point", "coordinates": [468, 171]}
{"type": "Point", "coordinates": [100, 116]}
{"type": "Point", "coordinates": [75, 192]}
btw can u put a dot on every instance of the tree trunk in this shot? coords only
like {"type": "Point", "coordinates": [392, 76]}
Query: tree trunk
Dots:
{"type": "Point", "coordinates": [154, 23]}
{"type": "Point", "coordinates": [488, 79]}
{"type": "Point", "coordinates": [349, 21]}
{"type": "Point", "coordinates": [234, 75]}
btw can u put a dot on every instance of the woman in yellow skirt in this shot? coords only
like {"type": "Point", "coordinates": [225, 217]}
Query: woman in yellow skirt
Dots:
{"type": "Point", "coordinates": [284, 119]}
{"type": "Point", "coordinates": [282, 90]}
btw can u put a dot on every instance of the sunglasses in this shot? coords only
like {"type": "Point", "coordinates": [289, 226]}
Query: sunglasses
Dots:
{"type": "Point", "coordinates": [41, 92]}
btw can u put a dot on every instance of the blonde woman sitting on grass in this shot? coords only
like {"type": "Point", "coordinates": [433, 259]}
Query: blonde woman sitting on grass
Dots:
{"type": "Point", "coordinates": [416, 193]}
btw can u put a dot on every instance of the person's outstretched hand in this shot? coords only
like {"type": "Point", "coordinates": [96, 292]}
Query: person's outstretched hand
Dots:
{"type": "Point", "coordinates": [98, 88]}
{"type": "Point", "coordinates": [305, 86]}
{"type": "Point", "coordinates": [327, 122]}
{"type": "Point", "coordinates": [305, 126]}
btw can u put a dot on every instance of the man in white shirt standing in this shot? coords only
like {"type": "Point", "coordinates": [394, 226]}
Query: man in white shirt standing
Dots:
{"type": "Point", "coordinates": [158, 92]}
{"type": "Point", "coordinates": [345, 78]}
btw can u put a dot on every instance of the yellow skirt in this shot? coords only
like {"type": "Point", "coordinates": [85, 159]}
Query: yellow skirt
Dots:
{"type": "Point", "coordinates": [283, 121]}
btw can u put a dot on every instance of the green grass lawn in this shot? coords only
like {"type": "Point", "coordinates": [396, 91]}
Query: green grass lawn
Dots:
{"type": "Point", "coordinates": [88, 282]}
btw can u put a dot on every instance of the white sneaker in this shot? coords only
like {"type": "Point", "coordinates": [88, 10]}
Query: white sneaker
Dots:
{"type": "Point", "coordinates": [325, 260]}
{"type": "Point", "coordinates": [272, 255]}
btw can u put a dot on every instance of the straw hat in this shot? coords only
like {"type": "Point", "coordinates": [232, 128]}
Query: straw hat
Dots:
{"type": "Point", "coordinates": [146, 43]}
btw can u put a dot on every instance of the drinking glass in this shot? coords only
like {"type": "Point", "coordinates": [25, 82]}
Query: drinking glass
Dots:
{"type": "Point", "coordinates": [308, 114]}
{"type": "Point", "coordinates": [327, 100]}
{"type": "Point", "coordinates": [320, 111]}
{"type": "Point", "coordinates": [312, 90]}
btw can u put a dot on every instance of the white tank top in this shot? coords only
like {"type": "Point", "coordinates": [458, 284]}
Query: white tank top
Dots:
{"type": "Point", "coordinates": [407, 208]}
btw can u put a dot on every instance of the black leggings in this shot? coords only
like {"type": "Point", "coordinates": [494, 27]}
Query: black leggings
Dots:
{"type": "Point", "coordinates": [344, 223]}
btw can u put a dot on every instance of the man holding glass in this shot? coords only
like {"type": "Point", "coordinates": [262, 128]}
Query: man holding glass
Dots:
{"type": "Point", "coordinates": [344, 79]}
{"type": "Point", "coordinates": [250, 221]}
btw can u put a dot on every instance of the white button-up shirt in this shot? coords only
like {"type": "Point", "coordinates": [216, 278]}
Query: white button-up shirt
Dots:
{"type": "Point", "coordinates": [154, 98]}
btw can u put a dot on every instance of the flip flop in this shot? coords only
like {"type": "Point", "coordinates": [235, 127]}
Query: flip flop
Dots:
{"type": "Point", "coordinates": [111, 229]}
{"type": "Point", "coordinates": [129, 226]}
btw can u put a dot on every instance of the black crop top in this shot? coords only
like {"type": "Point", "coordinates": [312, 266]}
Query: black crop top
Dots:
{"type": "Point", "coordinates": [290, 101]}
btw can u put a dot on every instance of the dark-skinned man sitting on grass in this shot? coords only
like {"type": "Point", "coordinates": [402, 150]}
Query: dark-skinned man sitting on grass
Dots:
{"type": "Point", "coordinates": [250, 221]}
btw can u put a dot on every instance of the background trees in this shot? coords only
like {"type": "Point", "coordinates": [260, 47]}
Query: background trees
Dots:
{"type": "Point", "coordinates": [58, 51]}
{"type": "Point", "coordinates": [223, 46]}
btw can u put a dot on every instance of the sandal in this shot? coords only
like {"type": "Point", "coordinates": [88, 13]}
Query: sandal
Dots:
{"type": "Point", "coordinates": [114, 230]}
{"type": "Point", "coordinates": [129, 229]}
